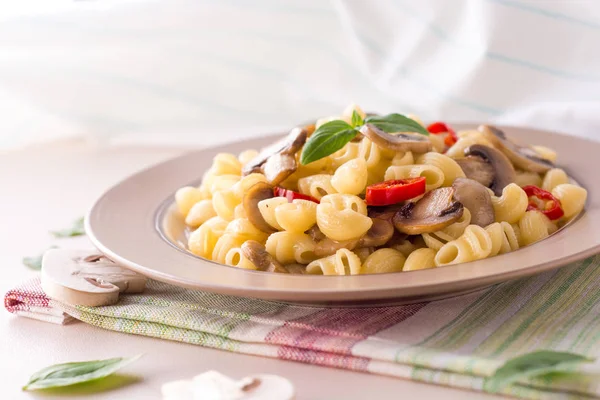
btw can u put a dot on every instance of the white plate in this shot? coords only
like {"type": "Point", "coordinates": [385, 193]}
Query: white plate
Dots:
{"type": "Point", "coordinates": [135, 225]}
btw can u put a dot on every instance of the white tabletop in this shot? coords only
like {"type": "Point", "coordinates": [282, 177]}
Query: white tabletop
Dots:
{"type": "Point", "coordinates": [45, 188]}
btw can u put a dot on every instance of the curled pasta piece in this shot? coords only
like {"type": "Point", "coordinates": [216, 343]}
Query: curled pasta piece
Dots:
{"type": "Point", "coordinates": [225, 202]}
{"type": "Point", "coordinates": [241, 187]}
{"type": "Point", "coordinates": [186, 197]}
{"type": "Point", "coordinates": [524, 178]}
{"type": "Point", "coordinates": [423, 258]}
{"type": "Point", "coordinates": [217, 183]}
{"type": "Point", "coordinates": [437, 143]}
{"type": "Point", "coordinates": [345, 154]}
{"type": "Point", "coordinates": [200, 212]}
{"type": "Point", "coordinates": [243, 229]}
{"type": "Point", "coordinates": [403, 158]}
{"type": "Point", "coordinates": [377, 160]}
{"type": "Point", "coordinates": [343, 217]}
{"type": "Point", "coordinates": [267, 209]}
{"type": "Point", "coordinates": [504, 238]}
{"type": "Point", "coordinates": [553, 178]}
{"type": "Point", "coordinates": [316, 186]}
{"type": "Point", "coordinates": [534, 227]}
{"type": "Point", "coordinates": [449, 167]}
{"type": "Point", "coordinates": [572, 198]}
{"type": "Point", "coordinates": [290, 247]}
{"type": "Point", "coordinates": [224, 244]}
{"type": "Point", "coordinates": [437, 239]}
{"type": "Point", "coordinates": [226, 164]}
{"type": "Point", "coordinates": [297, 216]}
{"type": "Point", "coordinates": [406, 247]}
{"type": "Point", "coordinates": [351, 177]}
{"type": "Point", "coordinates": [434, 177]}
{"type": "Point", "coordinates": [511, 206]}
{"type": "Point", "coordinates": [236, 258]}
{"type": "Point", "coordinates": [202, 241]}
{"type": "Point", "coordinates": [474, 244]}
{"type": "Point", "coordinates": [383, 261]}
{"type": "Point", "coordinates": [343, 262]}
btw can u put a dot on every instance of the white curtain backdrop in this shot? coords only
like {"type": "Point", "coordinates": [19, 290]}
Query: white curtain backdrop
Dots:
{"type": "Point", "coordinates": [205, 72]}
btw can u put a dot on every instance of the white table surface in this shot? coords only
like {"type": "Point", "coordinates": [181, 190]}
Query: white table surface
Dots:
{"type": "Point", "coordinates": [45, 188]}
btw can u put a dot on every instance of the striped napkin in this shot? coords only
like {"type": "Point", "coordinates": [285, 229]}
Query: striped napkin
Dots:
{"type": "Point", "coordinates": [456, 342]}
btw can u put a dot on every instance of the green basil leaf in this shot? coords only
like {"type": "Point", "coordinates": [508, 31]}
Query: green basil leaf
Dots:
{"type": "Point", "coordinates": [532, 365]}
{"type": "Point", "coordinates": [392, 123]}
{"type": "Point", "coordinates": [356, 119]}
{"type": "Point", "coordinates": [329, 138]}
{"type": "Point", "coordinates": [76, 372]}
{"type": "Point", "coordinates": [76, 229]}
{"type": "Point", "coordinates": [35, 262]}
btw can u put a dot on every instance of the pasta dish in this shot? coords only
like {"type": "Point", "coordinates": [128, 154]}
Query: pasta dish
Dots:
{"type": "Point", "coordinates": [365, 193]}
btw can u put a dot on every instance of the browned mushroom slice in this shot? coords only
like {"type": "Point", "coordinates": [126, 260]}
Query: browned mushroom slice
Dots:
{"type": "Point", "coordinates": [383, 212]}
{"type": "Point", "coordinates": [476, 198]}
{"type": "Point", "coordinates": [260, 257]}
{"type": "Point", "coordinates": [504, 173]}
{"type": "Point", "coordinates": [278, 167]}
{"type": "Point", "coordinates": [328, 246]}
{"type": "Point", "coordinates": [315, 233]}
{"type": "Point", "coordinates": [257, 192]}
{"type": "Point", "coordinates": [434, 211]}
{"type": "Point", "coordinates": [288, 145]}
{"type": "Point", "coordinates": [398, 142]}
{"type": "Point", "coordinates": [379, 234]}
{"type": "Point", "coordinates": [478, 169]}
{"type": "Point", "coordinates": [522, 157]}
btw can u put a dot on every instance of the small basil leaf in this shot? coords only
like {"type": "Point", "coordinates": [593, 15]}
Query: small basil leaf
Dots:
{"type": "Point", "coordinates": [392, 123]}
{"type": "Point", "coordinates": [532, 365]}
{"type": "Point", "coordinates": [329, 138]}
{"type": "Point", "coordinates": [35, 262]}
{"type": "Point", "coordinates": [76, 372]}
{"type": "Point", "coordinates": [357, 120]}
{"type": "Point", "coordinates": [76, 229]}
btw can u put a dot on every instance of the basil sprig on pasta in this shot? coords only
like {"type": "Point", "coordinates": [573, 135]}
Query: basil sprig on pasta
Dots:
{"type": "Point", "coordinates": [333, 135]}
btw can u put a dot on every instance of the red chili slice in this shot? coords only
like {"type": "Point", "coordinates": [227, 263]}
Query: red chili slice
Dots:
{"type": "Point", "coordinates": [290, 195]}
{"type": "Point", "coordinates": [440, 127]}
{"type": "Point", "coordinates": [394, 191]}
{"type": "Point", "coordinates": [552, 207]}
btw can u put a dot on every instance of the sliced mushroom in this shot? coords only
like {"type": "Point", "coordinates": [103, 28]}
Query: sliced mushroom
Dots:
{"type": "Point", "coordinates": [260, 257]}
{"type": "Point", "coordinates": [76, 277]}
{"type": "Point", "coordinates": [522, 157]}
{"type": "Point", "coordinates": [328, 246]}
{"type": "Point", "coordinates": [288, 145]}
{"type": "Point", "coordinates": [398, 142]}
{"type": "Point", "coordinates": [478, 169]}
{"type": "Point", "coordinates": [257, 192]}
{"type": "Point", "coordinates": [383, 212]}
{"type": "Point", "coordinates": [434, 211]}
{"type": "Point", "coordinates": [379, 234]}
{"type": "Point", "coordinates": [278, 167]}
{"type": "Point", "coordinates": [504, 173]}
{"type": "Point", "coordinates": [476, 198]}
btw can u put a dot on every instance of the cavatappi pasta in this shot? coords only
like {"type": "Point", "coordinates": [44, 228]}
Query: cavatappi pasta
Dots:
{"type": "Point", "coordinates": [383, 201]}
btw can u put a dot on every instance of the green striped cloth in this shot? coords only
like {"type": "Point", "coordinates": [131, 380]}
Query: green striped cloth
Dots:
{"type": "Point", "coordinates": [456, 342]}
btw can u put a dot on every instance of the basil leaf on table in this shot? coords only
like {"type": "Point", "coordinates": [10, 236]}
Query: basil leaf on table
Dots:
{"type": "Point", "coordinates": [77, 229]}
{"type": "Point", "coordinates": [396, 123]}
{"type": "Point", "coordinates": [357, 120]}
{"type": "Point", "coordinates": [532, 365]}
{"type": "Point", "coordinates": [35, 262]}
{"type": "Point", "coordinates": [327, 139]}
{"type": "Point", "coordinates": [68, 374]}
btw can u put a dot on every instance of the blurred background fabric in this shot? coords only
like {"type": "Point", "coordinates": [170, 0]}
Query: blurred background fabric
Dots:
{"type": "Point", "coordinates": [205, 72]}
